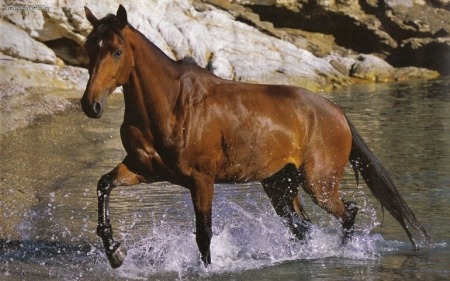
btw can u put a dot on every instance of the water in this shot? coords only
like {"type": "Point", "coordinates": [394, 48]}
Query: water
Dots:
{"type": "Point", "coordinates": [406, 124]}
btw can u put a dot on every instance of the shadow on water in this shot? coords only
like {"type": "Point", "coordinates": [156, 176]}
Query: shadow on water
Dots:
{"type": "Point", "coordinates": [406, 124]}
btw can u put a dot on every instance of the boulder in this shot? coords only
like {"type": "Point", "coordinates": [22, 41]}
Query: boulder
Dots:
{"type": "Point", "coordinates": [261, 41]}
{"type": "Point", "coordinates": [17, 43]}
{"type": "Point", "coordinates": [29, 90]}
{"type": "Point", "coordinates": [432, 53]}
{"type": "Point", "coordinates": [405, 33]}
{"type": "Point", "coordinates": [28, 74]}
{"type": "Point", "coordinates": [369, 68]}
{"type": "Point", "coordinates": [184, 28]}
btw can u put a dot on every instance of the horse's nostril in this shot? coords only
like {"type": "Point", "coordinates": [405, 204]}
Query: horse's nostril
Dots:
{"type": "Point", "coordinates": [97, 107]}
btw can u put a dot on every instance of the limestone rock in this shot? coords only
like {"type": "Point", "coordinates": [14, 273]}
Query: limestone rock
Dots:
{"type": "Point", "coordinates": [180, 28]}
{"type": "Point", "coordinates": [246, 43]}
{"type": "Point", "coordinates": [28, 74]}
{"type": "Point", "coordinates": [31, 89]}
{"type": "Point", "coordinates": [432, 53]}
{"type": "Point", "coordinates": [21, 105]}
{"type": "Point", "coordinates": [17, 43]}
{"type": "Point", "coordinates": [365, 67]}
{"type": "Point", "coordinates": [403, 32]}
{"type": "Point", "coordinates": [369, 67]}
{"type": "Point", "coordinates": [441, 3]}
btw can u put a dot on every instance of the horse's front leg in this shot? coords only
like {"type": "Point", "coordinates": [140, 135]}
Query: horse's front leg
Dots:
{"type": "Point", "coordinates": [120, 176]}
{"type": "Point", "coordinates": [202, 197]}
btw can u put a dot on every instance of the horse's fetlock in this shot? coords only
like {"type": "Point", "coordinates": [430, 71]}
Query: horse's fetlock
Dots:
{"type": "Point", "coordinates": [105, 182]}
{"type": "Point", "coordinates": [104, 230]}
{"type": "Point", "coordinates": [351, 209]}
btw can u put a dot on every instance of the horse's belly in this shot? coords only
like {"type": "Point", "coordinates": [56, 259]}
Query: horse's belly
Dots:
{"type": "Point", "coordinates": [254, 166]}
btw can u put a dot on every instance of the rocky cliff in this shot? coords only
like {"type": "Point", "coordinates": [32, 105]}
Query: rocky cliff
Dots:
{"type": "Point", "coordinates": [402, 32]}
{"type": "Point", "coordinates": [319, 45]}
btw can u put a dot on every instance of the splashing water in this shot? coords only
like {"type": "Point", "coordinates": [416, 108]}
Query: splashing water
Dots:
{"type": "Point", "coordinates": [160, 237]}
{"type": "Point", "coordinates": [247, 235]}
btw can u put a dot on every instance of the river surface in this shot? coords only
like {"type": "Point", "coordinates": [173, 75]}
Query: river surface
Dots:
{"type": "Point", "coordinates": [406, 124]}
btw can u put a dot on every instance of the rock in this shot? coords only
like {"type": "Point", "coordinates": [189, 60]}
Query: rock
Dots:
{"type": "Point", "coordinates": [29, 90]}
{"type": "Point", "coordinates": [394, 3]}
{"type": "Point", "coordinates": [51, 21]}
{"type": "Point", "coordinates": [183, 28]}
{"type": "Point", "coordinates": [318, 44]}
{"type": "Point", "coordinates": [403, 32]}
{"type": "Point", "coordinates": [441, 3]}
{"type": "Point", "coordinates": [316, 56]}
{"type": "Point", "coordinates": [408, 73]}
{"type": "Point", "coordinates": [371, 68]}
{"type": "Point", "coordinates": [22, 105]}
{"type": "Point", "coordinates": [27, 74]}
{"type": "Point", "coordinates": [365, 67]}
{"type": "Point", "coordinates": [423, 52]}
{"type": "Point", "coordinates": [17, 43]}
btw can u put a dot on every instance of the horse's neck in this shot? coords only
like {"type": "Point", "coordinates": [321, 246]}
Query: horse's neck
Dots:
{"type": "Point", "coordinates": [153, 86]}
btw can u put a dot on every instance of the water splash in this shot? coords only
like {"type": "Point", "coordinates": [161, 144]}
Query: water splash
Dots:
{"type": "Point", "coordinates": [157, 228]}
{"type": "Point", "coordinates": [245, 238]}
{"type": "Point", "coordinates": [248, 235]}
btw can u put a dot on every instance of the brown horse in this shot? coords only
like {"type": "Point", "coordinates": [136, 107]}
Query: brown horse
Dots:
{"type": "Point", "coordinates": [187, 126]}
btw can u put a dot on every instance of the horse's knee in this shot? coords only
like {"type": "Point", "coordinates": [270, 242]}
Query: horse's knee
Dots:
{"type": "Point", "coordinates": [104, 185]}
{"type": "Point", "coordinates": [105, 180]}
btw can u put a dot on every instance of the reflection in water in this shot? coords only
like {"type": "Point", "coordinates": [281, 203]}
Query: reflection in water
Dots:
{"type": "Point", "coordinates": [406, 124]}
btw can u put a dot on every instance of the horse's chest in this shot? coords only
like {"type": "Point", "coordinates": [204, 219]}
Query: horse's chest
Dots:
{"type": "Point", "coordinates": [137, 143]}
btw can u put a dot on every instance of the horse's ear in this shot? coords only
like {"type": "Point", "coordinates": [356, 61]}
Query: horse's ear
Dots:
{"type": "Point", "coordinates": [90, 16]}
{"type": "Point", "coordinates": [121, 16]}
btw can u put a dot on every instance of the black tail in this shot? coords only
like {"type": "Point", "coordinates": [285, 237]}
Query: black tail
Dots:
{"type": "Point", "coordinates": [380, 183]}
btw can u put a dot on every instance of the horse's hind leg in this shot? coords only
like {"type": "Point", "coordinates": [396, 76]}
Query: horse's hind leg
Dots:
{"type": "Point", "coordinates": [282, 189]}
{"type": "Point", "coordinates": [322, 184]}
{"type": "Point", "coordinates": [120, 176]}
{"type": "Point", "coordinates": [299, 209]}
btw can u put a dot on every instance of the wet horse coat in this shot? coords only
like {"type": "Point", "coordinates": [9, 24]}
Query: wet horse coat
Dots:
{"type": "Point", "coordinates": [185, 125]}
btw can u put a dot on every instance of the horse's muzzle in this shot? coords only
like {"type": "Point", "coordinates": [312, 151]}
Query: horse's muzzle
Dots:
{"type": "Point", "coordinates": [92, 110]}
{"type": "Point", "coordinates": [93, 107]}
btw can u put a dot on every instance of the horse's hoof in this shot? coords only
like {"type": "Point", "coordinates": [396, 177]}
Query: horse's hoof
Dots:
{"type": "Point", "coordinates": [206, 260]}
{"type": "Point", "coordinates": [117, 256]}
{"type": "Point", "coordinates": [347, 236]}
{"type": "Point", "coordinates": [300, 229]}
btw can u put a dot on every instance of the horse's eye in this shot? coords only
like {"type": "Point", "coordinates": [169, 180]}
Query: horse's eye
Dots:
{"type": "Point", "coordinates": [117, 54]}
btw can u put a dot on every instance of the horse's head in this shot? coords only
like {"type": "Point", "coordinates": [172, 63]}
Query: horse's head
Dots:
{"type": "Point", "coordinates": [110, 60]}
